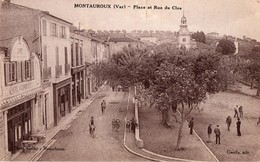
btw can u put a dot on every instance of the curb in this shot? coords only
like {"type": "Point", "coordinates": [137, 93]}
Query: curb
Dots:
{"type": "Point", "coordinates": [155, 154]}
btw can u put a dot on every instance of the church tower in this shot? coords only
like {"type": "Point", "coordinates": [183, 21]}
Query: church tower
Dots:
{"type": "Point", "coordinates": [184, 36]}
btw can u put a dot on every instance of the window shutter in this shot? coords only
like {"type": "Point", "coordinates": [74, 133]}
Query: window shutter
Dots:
{"type": "Point", "coordinates": [23, 70]}
{"type": "Point", "coordinates": [15, 71]}
{"type": "Point", "coordinates": [19, 71]}
{"type": "Point", "coordinates": [7, 76]}
{"type": "Point", "coordinates": [29, 69]}
{"type": "Point", "coordinates": [32, 69]}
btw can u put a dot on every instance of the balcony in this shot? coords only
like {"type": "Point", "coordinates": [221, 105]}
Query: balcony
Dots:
{"type": "Point", "coordinates": [67, 69]}
{"type": "Point", "coordinates": [47, 73]}
{"type": "Point", "coordinates": [58, 71]}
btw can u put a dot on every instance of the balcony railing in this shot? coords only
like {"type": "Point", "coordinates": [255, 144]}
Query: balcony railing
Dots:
{"type": "Point", "coordinates": [46, 73]}
{"type": "Point", "coordinates": [67, 69]}
{"type": "Point", "coordinates": [58, 70]}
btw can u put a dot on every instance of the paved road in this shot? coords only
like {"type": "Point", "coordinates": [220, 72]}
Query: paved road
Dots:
{"type": "Point", "coordinates": [77, 144]}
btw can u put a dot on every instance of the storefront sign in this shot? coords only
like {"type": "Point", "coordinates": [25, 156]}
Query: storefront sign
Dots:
{"type": "Point", "coordinates": [1, 124]}
{"type": "Point", "coordinates": [16, 89]}
{"type": "Point", "coordinates": [20, 51]}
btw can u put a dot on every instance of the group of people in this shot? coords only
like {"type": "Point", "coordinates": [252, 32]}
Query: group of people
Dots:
{"type": "Point", "coordinates": [240, 110]}
{"type": "Point", "coordinates": [131, 124]}
{"type": "Point", "coordinates": [116, 124]}
{"type": "Point", "coordinates": [238, 115]}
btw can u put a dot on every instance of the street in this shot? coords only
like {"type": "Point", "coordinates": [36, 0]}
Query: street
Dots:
{"type": "Point", "coordinates": [76, 143]}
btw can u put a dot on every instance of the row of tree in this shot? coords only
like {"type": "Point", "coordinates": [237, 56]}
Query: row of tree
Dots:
{"type": "Point", "coordinates": [167, 77]}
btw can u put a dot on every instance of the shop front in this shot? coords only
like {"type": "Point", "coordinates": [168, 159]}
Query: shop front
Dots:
{"type": "Point", "coordinates": [62, 99]}
{"type": "Point", "coordinates": [78, 85]}
{"type": "Point", "coordinates": [19, 125]}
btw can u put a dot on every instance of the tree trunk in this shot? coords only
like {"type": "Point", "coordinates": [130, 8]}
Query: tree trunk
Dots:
{"type": "Point", "coordinates": [180, 136]}
{"type": "Point", "coordinates": [258, 87]}
{"type": "Point", "coordinates": [180, 128]}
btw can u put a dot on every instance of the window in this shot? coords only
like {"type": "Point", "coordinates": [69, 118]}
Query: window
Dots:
{"type": "Point", "coordinates": [77, 54]}
{"type": "Point", "coordinates": [10, 72]}
{"type": "Point", "coordinates": [27, 69]}
{"type": "Point", "coordinates": [80, 52]}
{"type": "Point", "coordinates": [66, 55]}
{"type": "Point", "coordinates": [53, 29]}
{"type": "Point", "coordinates": [44, 27]}
{"type": "Point", "coordinates": [62, 32]}
{"type": "Point", "coordinates": [72, 56]}
{"type": "Point", "coordinates": [13, 72]}
{"type": "Point", "coordinates": [45, 56]}
{"type": "Point", "coordinates": [57, 56]}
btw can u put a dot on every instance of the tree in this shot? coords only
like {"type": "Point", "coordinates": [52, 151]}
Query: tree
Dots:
{"type": "Point", "coordinates": [226, 47]}
{"type": "Point", "coordinates": [199, 36]}
{"type": "Point", "coordinates": [168, 77]}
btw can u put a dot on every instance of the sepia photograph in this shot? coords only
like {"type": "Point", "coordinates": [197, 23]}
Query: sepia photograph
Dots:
{"type": "Point", "coordinates": [130, 80]}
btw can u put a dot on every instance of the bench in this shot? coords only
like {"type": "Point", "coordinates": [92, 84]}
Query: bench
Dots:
{"type": "Point", "coordinates": [38, 137]}
{"type": "Point", "coordinates": [28, 145]}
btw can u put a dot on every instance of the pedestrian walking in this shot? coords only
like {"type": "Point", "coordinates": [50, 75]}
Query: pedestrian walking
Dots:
{"type": "Point", "coordinates": [128, 125]}
{"type": "Point", "coordinates": [217, 133]}
{"type": "Point", "coordinates": [238, 127]}
{"type": "Point", "coordinates": [240, 109]}
{"type": "Point", "coordinates": [236, 112]}
{"type": "Point", "coordinates": [103, 106]}
{"type": "Point", "coordinates": [228, 122]}
{"type": "Point", "coordinates": [209, 132]}
{"type": "Point", "coordinates": [191, 124]}
{"type": "Point", "coordinates": [133, 124]}
{"type": "Point", "coordinates": [113, 124]}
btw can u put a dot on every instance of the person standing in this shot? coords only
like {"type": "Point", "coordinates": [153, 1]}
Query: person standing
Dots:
{"type": "Point", "coordinates": [133, 124]}
{"type": "Point", "coordinates": [228, 122]}
{"type": "Point", "coordinates": [217, 133]}
{"type": "Point", "coordinates": [236, 113]}
{"type": "Point", "coordinates": [103, 106]}
{"type": "Point", "coordinates": [240, 109]}
{"type": "Point", "coordinates": [128, 126]}
{"type": "Point", "coordinates": [209, 132]}
{"type": "Point", "coordinates": [238, 127]}
{"type": "Point", "coordinates": [191, 124]}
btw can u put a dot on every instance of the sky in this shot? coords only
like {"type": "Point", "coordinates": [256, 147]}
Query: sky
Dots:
{"type": "Point", "coordinates": [230, 17]}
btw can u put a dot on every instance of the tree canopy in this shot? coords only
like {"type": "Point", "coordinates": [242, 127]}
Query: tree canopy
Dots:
{"type": "Point", "coordinates": [168, 76]}
{"type": "Point", "coordinates": [199, 36]}
{"type": "Point", "coordinates": [226, 47]}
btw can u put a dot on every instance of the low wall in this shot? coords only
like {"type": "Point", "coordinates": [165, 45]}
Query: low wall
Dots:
{"type": "Point", "coordinates": [139, 142]}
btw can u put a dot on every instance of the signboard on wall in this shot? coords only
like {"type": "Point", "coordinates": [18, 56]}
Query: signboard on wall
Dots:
{"type": "Point", "coordinates": [19, 50]}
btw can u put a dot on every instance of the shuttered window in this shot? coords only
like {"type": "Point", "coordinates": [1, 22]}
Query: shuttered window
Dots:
{"type": "Point", "coordinates": [7, 73]}
{"type": "Point", "coordinates": [44, 27]}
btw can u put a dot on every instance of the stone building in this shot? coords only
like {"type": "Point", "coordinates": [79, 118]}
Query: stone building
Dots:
{"type": "Point", "coordinates": [48, 37]}
{"type": "Point", "coordinates": [20, 88]}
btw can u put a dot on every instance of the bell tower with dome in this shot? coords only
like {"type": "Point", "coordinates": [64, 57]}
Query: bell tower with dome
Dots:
{"type": "Point", "coordinates": [184, 36]}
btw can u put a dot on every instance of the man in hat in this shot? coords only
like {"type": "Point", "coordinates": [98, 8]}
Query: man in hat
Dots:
{"type": "Point", "coordinates": [228, 122]}
{"type": "Point", "coordinates": [238, 127]}
{"type": "Point", "coordinates": [217, 133]}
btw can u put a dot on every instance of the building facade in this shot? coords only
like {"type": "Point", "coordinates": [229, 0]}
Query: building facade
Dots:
{"type": "Point", "coordinates": [48, 37]}
{"type": "Point", "coordinates": [20, 111]}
